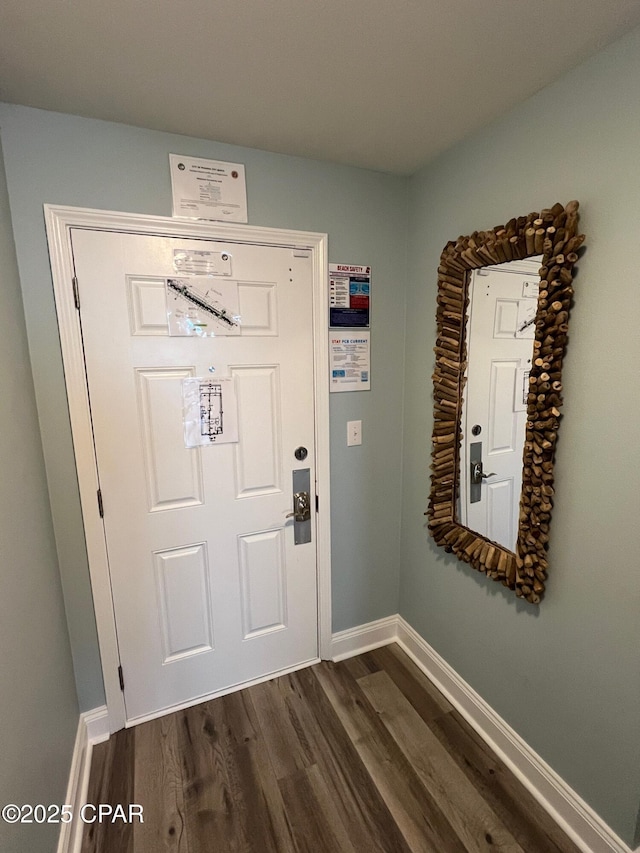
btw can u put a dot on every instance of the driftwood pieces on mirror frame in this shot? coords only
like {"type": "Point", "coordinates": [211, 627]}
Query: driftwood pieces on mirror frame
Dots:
{"type": "Point", "coordinates": [552, 233]}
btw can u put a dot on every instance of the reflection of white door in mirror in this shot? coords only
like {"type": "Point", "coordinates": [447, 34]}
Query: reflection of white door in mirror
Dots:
{"type": "Point", "coordinates": [500, 333]}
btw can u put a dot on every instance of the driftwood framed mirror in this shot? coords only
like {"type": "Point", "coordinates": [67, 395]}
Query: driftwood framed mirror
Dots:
{"type": "Point", "coordinates": [527, 319]}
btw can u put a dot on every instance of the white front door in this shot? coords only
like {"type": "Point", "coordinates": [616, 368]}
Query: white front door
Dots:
{"type": "Point", "coordinates": [500, 333]}
{"type": "Point", "coordinates": [209, 589]}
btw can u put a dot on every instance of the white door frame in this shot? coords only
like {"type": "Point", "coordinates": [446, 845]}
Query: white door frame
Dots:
{"type": "Point", "coordinates": [59, 221]}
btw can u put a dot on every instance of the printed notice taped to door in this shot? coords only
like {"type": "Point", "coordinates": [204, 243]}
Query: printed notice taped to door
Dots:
{"type": "Point", "coordinates": [210, 411]}
{"type": "Point", "coordinates": [350, 361]}
{"type": "Point", "coordinates": [208, 189]}
{"type": "Point", "coordinates": [198, 305]}
{"type": "Point", "coordinates": [521, 391]}
{"type": "Point", "coordinates": [196, 262]}
{"type": "Point", "coordinates": [349, 295]}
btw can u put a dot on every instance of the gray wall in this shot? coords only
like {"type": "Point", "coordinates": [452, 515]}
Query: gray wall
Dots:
{"type": "Point", "coordinates": [38, 705]}
{"type": "Point", "coordinates": [566, 676]}
{"type": "Point", "coordinates": [67, 160]}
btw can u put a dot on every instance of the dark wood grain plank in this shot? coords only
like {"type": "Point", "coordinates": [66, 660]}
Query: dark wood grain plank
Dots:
{"type": "Point", "coordinates": [266, 824]}
{"type": "Point", "coordinates": [361, 665]}
{"type": "Point", "coordinates": [473, 820]}
{"type": "Point", "coordinates": [210, 785]}
{"type": "Point", "coordinates": [314, 830]}
{"type": "Point", "coordinates": [158, 788]}
{"type": "Point", "coordinates": [356, 800]}
{"type": "Point", "coordinates": [524, 817]}
{"type": "Point", "coordinates": [113, 785]}
{"type": "Point", "coordinates": [287, 751]}
{"type": "Point", "coordinates": [232, 799]}
{"type": "Point", "coordinates": [411, 681]}
{"type": "Point", "coordinates": [419, 818]}
{"type": "Point", "coordinates": [101, 759]}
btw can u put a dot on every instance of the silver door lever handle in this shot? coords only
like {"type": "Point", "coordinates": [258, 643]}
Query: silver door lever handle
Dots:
{"type": "Point", "coordinates": [477, 475]}
{"type": "Point", "coordinates": [301, 507]}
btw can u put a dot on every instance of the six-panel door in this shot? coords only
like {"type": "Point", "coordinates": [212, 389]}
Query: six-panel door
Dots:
{"type": "Point", "coordinates": [209, 589]}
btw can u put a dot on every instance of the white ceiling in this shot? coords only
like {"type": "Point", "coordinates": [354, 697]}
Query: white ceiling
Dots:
{"type": "Point", "coordinates": [384, 84]}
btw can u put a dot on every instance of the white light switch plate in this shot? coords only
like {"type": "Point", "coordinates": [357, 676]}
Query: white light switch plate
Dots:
{"type": "Point", "coordinates": [354, 433]}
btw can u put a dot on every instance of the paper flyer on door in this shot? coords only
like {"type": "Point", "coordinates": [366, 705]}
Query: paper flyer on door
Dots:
{"type": "Point", "coordinates": [210, 411]}
{"type": "Point", "coordinates": [208, 189]}
{"type": "Point", "coordinates": [202, 306]}
{"type": "Point", "coordinates": [350, 361]}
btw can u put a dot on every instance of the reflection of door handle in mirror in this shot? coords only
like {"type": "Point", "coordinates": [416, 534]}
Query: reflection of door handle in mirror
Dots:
{"type": "Point", "coordinates": [301, 507]}
{"type": "Point", "coordinates": [477, 475]}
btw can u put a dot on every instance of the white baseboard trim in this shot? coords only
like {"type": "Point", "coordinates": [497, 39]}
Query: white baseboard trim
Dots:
{"type": "Point", "coordinates": [97, 724]}
{"type": "Point", "coordinates": [93, 727]}
{"type": "Point", "coordinates": [580, 822]}
{"type": "Point", "coordinates": [355, 641]}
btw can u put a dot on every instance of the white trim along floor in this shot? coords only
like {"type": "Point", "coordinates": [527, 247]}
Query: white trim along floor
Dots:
{"type": "Point", "coordinates": [587, 830]}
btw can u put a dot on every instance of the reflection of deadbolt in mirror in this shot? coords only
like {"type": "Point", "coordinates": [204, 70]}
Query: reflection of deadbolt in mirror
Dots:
{"type": "Point", "coordinates": [502, 333]}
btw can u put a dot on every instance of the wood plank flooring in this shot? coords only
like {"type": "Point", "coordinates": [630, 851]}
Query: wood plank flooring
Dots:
{"type": "Point", "coordinates": [363, 755]}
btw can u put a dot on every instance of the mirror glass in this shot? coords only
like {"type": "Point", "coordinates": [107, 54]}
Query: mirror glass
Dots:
{"type": "Point", "coordinates": [500, 329]}
{"type": "Point", "coordinates": [504, 297]}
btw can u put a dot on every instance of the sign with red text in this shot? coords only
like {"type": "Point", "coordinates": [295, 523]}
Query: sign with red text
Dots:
{"type": "Point", "coordinates": [349, 296]}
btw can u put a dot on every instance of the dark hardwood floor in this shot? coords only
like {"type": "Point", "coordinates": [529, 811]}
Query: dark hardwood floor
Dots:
{"type": "Point", "coordinates": [363, 755]}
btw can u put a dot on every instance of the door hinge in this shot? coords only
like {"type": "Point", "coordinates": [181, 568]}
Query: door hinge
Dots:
{"type": "Point", "coordinates": [121, 678]}
{"type": "Point", "coordinates": [317, 504]}
{"type": "Point", "coordinates": [100, 504]}
{"type": "Point", "coordinates": [76, 293]}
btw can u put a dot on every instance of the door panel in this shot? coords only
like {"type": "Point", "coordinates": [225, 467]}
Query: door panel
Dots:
{"type": "Point", "coordinates": [258, 308]}
{"type": "Point", "coordinates": [147, 306]}
{"type": "Point", "coordinates": [502, 425]}
{"type": "Point", "coordinates": [184, 598]}
{"type": "Point", "coordinates": [173, 479]}
{"type": "Point", "coordinates": [209, 590]}
{"type": "Point", "coordinates": [258, 453]}
{"type": "Point", "coordinates": [264, 594]}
